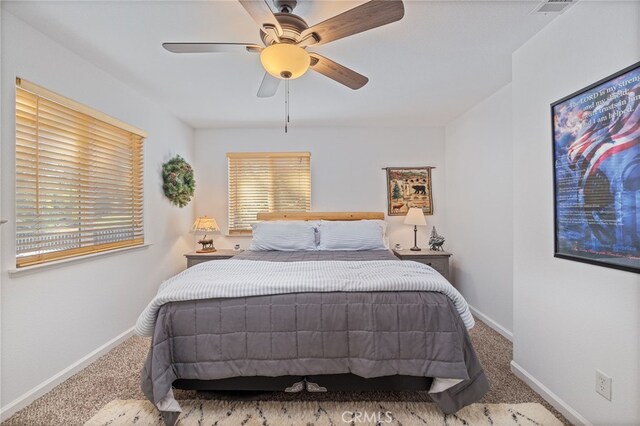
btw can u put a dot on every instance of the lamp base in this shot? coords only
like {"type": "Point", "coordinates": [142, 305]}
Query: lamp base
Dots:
{"type": "Point", "coordinates": [207, 245]}
{"type": "Point", "coordinates": [208, 250]}
{"type": "Point", "coordinates": [415, 240]}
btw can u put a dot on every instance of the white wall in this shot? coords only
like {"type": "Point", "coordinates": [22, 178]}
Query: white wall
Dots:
{"type": "Point", "coordinates": [479, 155]}
{"type": "Point", "coordinates": [346, 170]}
{"type": "Point", "coordinates": [1, 143]}
{"type": "Point", "coordinates": [570, 318]}
{"type": "Point", "coordinates": [54, 317]}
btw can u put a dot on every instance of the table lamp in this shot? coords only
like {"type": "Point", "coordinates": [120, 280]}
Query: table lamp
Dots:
{"type": "Point", "coordinates": [415, 217]}
{"type": "Point", "coordinates": [202, 226]}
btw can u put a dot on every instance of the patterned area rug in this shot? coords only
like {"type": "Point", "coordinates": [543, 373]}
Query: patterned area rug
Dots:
{"type": "Point", "coordinates": [320, 413]}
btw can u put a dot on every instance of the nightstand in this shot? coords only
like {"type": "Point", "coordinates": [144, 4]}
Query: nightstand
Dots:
{"type": "Point", "coordinates": [438, 260]}
{"type": "Point", "coordinates": [194, 258]}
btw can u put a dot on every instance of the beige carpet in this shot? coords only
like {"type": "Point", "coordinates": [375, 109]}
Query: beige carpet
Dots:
{"type": "Point", "coordinates": [327, 413]}
{"type": "Point", "coordinates": [116, 376]}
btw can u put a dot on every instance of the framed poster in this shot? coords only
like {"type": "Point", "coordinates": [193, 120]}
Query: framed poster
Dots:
{"type": "Point", "coordinates": [596, 165]}
{"type": "Point", "coordinates": [408, 187]}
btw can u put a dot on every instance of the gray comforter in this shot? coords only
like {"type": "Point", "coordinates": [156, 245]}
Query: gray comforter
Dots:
{"type": "Point", "coordinates": [370, 334]}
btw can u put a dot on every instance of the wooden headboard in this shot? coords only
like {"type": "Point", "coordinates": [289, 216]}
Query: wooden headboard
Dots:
{"type": "Point", "coordinates": [320, 216]}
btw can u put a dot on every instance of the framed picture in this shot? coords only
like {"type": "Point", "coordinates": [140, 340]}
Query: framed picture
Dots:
{"type": "Point", "coordinates": [409, 187]}
{"type": "Point", "coordinates": [596, 172]}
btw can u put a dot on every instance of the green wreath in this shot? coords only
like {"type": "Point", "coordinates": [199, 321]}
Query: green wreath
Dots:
{"type": "Point", "coordinates": [179, 183]}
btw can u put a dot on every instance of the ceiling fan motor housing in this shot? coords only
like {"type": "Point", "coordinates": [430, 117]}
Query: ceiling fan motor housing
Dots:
{"type": "Point", "coordinates": [292, 25]}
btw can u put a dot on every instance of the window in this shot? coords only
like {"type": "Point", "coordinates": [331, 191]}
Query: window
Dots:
{"type": "Point", "coordinates": [78, 179]}
{"type": "Point", "coordinates": [266, 182]}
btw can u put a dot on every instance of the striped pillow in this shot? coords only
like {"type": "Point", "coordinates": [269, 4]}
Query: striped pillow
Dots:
{"type": "Point", "coordinates": [352, 235]}
{"type": "Point", "coordinates": [284, 235]}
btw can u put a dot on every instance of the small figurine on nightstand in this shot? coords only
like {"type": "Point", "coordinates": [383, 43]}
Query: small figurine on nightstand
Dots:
{"type": "Point", "coordinates": [436, 241]}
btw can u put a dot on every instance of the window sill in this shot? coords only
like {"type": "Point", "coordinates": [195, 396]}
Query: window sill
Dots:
{"type": "Point", "coordinates": [63, 262]}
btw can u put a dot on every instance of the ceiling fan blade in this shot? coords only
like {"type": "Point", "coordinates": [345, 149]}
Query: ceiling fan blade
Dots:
{"type": "Point", "coordinates": [337, 72]}
{"type": "Point", "coordinates": [264, 17]}
{"type": "Point", "coordinates": [269, 86]}
{"type": "Point", "coordinates": [211, 47]}
{"type": "Point", "coordinates": [373, 14]}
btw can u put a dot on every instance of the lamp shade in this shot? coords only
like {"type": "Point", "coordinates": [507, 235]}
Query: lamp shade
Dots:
{"type": "Point", "coordinates": [204, 224]}
{"type": "Point", "coordinates": [285, 61]}
{"type": "Point", "coordinates": [415, 216]}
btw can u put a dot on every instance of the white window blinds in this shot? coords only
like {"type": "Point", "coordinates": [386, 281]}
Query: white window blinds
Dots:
{"type": "Point", "coordinates": [79, 186]}
{"type": "Point", "coordinates": [266, 182]}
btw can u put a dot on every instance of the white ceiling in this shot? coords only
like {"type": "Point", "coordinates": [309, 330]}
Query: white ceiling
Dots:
{"type": "Point", "coordinates": [439, 60]}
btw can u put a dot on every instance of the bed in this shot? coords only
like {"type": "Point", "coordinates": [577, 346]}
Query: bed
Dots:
{"type": "Point", "coordinates": [312, 320]}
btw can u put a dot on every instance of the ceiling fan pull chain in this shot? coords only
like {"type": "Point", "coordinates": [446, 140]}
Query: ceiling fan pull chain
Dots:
{"type": "Point", "coordinates": [288, 102]}
{"type": "Point", "coordinates": [286, 105]}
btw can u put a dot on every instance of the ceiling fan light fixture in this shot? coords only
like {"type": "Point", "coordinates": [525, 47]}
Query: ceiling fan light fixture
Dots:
{"type": "Point", "coordinates": [285, 61]}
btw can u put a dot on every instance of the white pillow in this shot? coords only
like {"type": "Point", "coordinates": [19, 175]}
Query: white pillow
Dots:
{"type": "Point", "coordinates": [284, 235]}
{"type": "Point", "coordinates": [352, 235]}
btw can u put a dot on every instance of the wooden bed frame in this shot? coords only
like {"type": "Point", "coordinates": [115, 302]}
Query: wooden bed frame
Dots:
{"type": "Point", "coordinates": [321, 216]}
{"type": "Point", "coordinates": [319, 383]}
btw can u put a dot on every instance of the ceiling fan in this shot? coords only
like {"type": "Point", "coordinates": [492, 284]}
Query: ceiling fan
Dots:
{"type": "Point", "coordinates": [287, 36]}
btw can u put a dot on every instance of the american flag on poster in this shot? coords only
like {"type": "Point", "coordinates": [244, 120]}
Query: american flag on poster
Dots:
{"type": "Point", "coordinates": [597, 172]}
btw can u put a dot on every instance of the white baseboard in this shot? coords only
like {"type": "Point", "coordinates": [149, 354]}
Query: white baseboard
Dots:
{"type": "Point", "coordinates": [572, 415]}
{"type": "Point", "coordinates": [491, 323]}
{"type": "Point", "coordinates": [28, 397]}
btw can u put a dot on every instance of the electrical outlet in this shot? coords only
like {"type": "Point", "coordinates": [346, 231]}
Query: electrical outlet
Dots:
{"type": "Point", "coordinates": [603, 384]}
